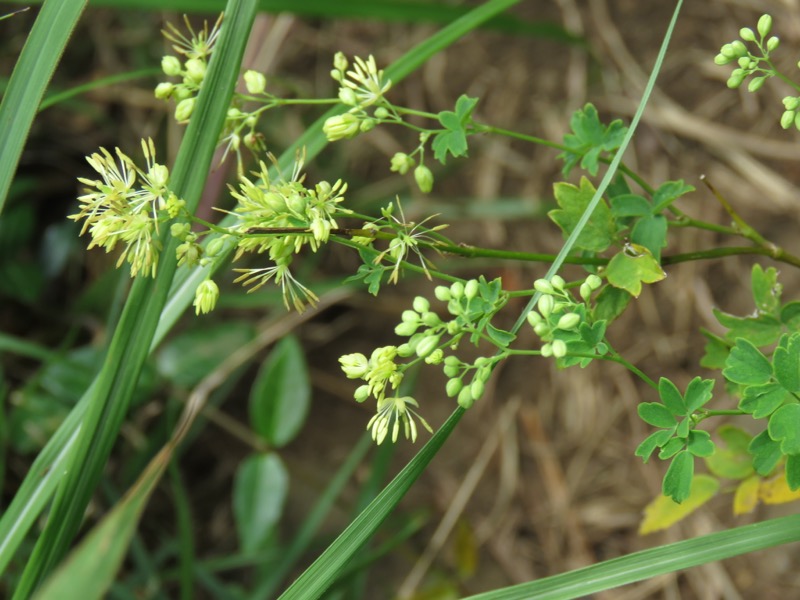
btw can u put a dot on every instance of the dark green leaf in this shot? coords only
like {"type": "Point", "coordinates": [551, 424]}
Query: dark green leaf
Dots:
{"type": "Point", "coordinates": [588, 139]}
{"type": "Point", "coordinates": [746, 365]}
{"type": "Point", "coordinates": [699, 443]}
{"type": "Point", "coordinates": [667, 193]}
{"type": "Point", "coordinates": [499, 336]}
{"type": "Point", "coordinates": [653, 441]}
{"type": "Point", "coordinates": [671, 397]}
{"type": "Point", "coordinates": [259, 493]}
{"type": "Point", "coordinates": [784, 427]}
{"type": "Point", "coordinates": [598, 234]}
{"type": "Point", "coordinates": [761, 331]}
{"type": "Point", "coordinates": [766, 453]}
{"type": "Point", "coordinates": [716, 351]}
{"type": "Point", "coordinates": [651, 232]}
{"type": "Point", "coordinates": [682, 430]}
{"type": "Point", "coordinates": [656, 414]}
{"type": "Point", "coordinates": [628, 269]}
{"type": "Point", "coordinates": [593, 334]}
{"type": "Point", "coordinates": [281, 395]}
{"type": "Point", "coordinates": [762, 400]}
{"type": "Point", "coordinates": [786, 363]}
{"type": "Point", "coordinates": [464, 107]}
{"type": "Point", "coordinates": [698, 393]}
{"type": "Point", "coordinates": [793, 471]}
{"type": "Point", "coordinates": [610, 303]}
{"type": "Point", "coordinates": [766, 289]}
{"type": "Point", "coordinates": [790, 315]}
{"type": "Point", "coordinates": [630, 205]}
{"type": "Point", "coordinates": [678, 480]}
{"type": "Point", "coordinates": [671, 448]}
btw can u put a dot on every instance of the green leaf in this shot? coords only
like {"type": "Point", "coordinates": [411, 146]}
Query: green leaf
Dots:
{"type": "Point", "coordinates": [259, 493]}
{"type": "Point", "coordinates": [667, 193]}
{"type": "Point", "coordinates": [454, 139]}
{"type": "Point", "coordinates": [630, 205]}
{"type": "Point", "coordinates": [732, 461]}
{"type": "Point", "coordinates": [766, 453]}
{"type": "Point", "coordinates": [762, 400]}
{"type": "Point", "coordinates": [682, 431]}
{"type": "Point", "coordinates": [594, 334]}
{"type": "Point", "coordinates": [651, 442]}
{"type": "Point", "coordinates": [656, 414]}
{"type": "Point", "coordinates": [651, 232]}
{"type": "Point", "coordinates": [766, 289]}
{"type": "Point", "coordinates": [786, 363]}
{"type": "Point", "coordinates": [793, 471]}
{"type": "Point", "coordinates": [746, 365]}
{"type": "Point", "coordinates": [784, 427]}
{"type": "Point", "coordinates": [761, 331]}
{"type": "Point", "coordinates": [190, 356]}
{"type": "Point", "coordinates": [716, 351]}
{"type": "Point", "coordinates": [281, 394]}
{"type": "Point", "coordinates": [671, 397]}
{"type": "Point", "coordinates": [610, 303]}
{"type": "Point", "coordinates": [589, 138]}
{"type": "Point", "coordinates": [671, 448]}
{"type": "Point", "coordinates": [664, 512]}
{"type": "Point", "coordinates": [698, 393]}
{"type": "Point", "coordinates": [500, 337]}
{"type": "Point", "coordinates": [699, 443]}
{"type": "Point", "coordinates": [790, 315]}
{"type": "Point", "coordinates": [677, 482]}
{"type": "Point", "coordinates": [628, 271]}
{"type": "Point", "coordinates": [598, 234]}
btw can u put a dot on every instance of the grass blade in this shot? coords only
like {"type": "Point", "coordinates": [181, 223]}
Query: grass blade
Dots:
{"type": "Point", "coordinates": [656, 561]}
{"type": "Point", "coordinates": [32, 73]}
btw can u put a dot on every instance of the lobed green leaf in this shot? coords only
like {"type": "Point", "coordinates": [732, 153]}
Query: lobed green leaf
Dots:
{"type": "Point", "coordinates": [746, 365]}
{"type": "Point", "coordinates": [677, 482]}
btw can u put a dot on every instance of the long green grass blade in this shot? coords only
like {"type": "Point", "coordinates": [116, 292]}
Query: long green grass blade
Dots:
{"type": "Point", "coordinates": [32, 73]}
{"type": "Point", "coordinates": [656, 561]}
{"type": "Point", "coordinates": [55, 98]}
{"type": "Point", "coordinates": [132, 339]}
{"type": "Point", "coordinates": [325, 570]}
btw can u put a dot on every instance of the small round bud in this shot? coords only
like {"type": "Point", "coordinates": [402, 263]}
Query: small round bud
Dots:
{"type": "Point", "coordinates": [164, 90]}
{"type": "Point", "coordinates": [594, 281]}
{"type": "Point", "coordinates": [336, 75]}
{"type": "Point", "coordinates": [180, 230]}
{"type": "Point", "coordinates": [764, 25]}
{"type": "Point", "coordinates": [421, 304]}
{"type": "Point", "coordinates": [457, 290]}
{"type": "Point", "coordinates": [340, 61]}
{"type": "Point", "coordinates": [534, 318]}
{"type": "Point", "coordinates": [559, 348]}
{"type": "Point", "coordinates": [744, 62]}
{"type": "Point", "coordinates": [736, 78]}
{"type": "Point", "coordinates": [424, 178]}
{"type": "Point", "coordinates": [406, 328]}
{"type": "Point", "coordinates": [797, 120]}
{"type": "Point", "coordinates": [341, 127]}
{"type": "Point", "coordinates": [558, 282]}
{"type": "Point", "coordinates": [409, 316]}
{"type": "Point", "coordinates": [196, 69]}
{"type": "Point", "coordinates": [547, 350]}
{"type": "Point", "coordinates": [442, 293]}
{"type": "Point", "coordinates": [739, 49]}
{"type": "Point", "coordinates": [543, 286]}
{"type": "Point", "coordinates": [171, 66]}
{"type": "Point", "coordinates": [465, 399]}
{"type": "Point", "coordinates": [773, 43]}
{"type": "Point", "coordinates": [381, 113]}
{"type": "Point", "coordinates": [756, 83]}
{"type": "Point", "coordinates": [585, 291]}
{"type": "Point", "coordinates": [545, 305]}
{"type": "Point", "coordinates": [476, 388]}
{"type": "Point", "coordinates": [402, 163]}
{"type": "Point", "coordinates": [205, 297]}
{"type": "Point", "coordinates": [453, 327]}
{"type": "Point", "coordinates": [255, 82]}
{"type": "Point", "coordinates": [367, 125]}
{"type": "Point", "coordinates": [541, 329]}
{"type": "Point", "coordinates": [184, 110]}
{"type": "Point", "coordinates": [453, 387]}
{"type": "Point", "coordinates": [728, 51]}
{"type": "Point", "coordinates": [361, 393]}
{"type": "Point", "coordinates": [405, 350]}
{"type": "Point", "coordinates": [215, 246]}
{"type": "Point", "coordinates": [431, 319]}
{"type": "Point", "coordinates": [348, 96]}
{"type": "Point", "coordinates": [427, 345]}
{"type": "Point", "coordinates": [569, 321]}
{"type": "Point", "coordinates": [721, 60]}
{"type": "Point", "coordinates": [747, 34]}
{"type": "Point", "coordinates": [471, 289]}
{"type": "Point", "coordinates": [787, 119]}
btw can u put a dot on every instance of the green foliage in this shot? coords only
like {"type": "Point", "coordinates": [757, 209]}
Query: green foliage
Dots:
{"type": "Point", "coordinates": [590, 140]}
{"type": "Point", "coordinates": [599, 232]}
{"type": "Point", "coordinates": [453, 140]}
{"type": "Point", "coordinates": [259, 493]}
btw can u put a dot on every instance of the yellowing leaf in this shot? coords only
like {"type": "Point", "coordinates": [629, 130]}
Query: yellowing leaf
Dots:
{"type": "Point", "coordinates": [776, 491]}
{"type": "Point", "coordinates": [663, 512]}
{"type": "Point", "coordinates": [634, 265]}
{"type": "Point", "coordinates": [746, 497]}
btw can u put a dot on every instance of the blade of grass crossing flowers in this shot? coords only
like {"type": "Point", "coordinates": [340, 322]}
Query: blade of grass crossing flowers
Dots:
{"type": "Point", "coordinates": [313, 140]}
{"type": "Point", "coordinates": [612, 168]}
{"type": "Point", "coordinates": [325, 570]}
{"type": "Point", "coordinates": [133, 337]}
{"type": "Point", "coordinates": [653, 562]}
{"type": "Point", "coordinates": [32, 73]}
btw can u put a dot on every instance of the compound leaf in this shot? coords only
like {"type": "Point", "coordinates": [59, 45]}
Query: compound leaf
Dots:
{"type": "Point", "coordinates": [746, 364]}
{"type": "Point", "coordinates": [784, 427]}
{"type": "Point", "coordinates": [656, 414]}
{"type": "Point", "coordinates": [698, 393]}
{"type": "Point", "coordinates": [732, 461]}
{"type": "Point", "coordinates": [598, 234]}
{"type": "Point", "coordinates": [762, 400]}
{"type": "Point", "coordinates": [786, 364]}
{"type": "Point", "coordinates": [766, 453]}
{"type": "Point", "coordinates": [589, 138]}
{"type": "Point", "coordinates": [671, 397]}
{"type": "Point", "coordinates": [699, 443]}
{"type": "Point", "coordinates": [667, 193]}
{"type": "Point", "coordinates": [651, 442]}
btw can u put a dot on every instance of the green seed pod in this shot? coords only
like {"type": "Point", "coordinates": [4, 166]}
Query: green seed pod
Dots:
{"type": "Point", "coordinates": [453, 387]}
{"type": "Point", "coordinates": [764, 25]}
{"type": "Point", "coordinates": [421, 304]}
{"type": "Point", "coordinates": [747, 34]}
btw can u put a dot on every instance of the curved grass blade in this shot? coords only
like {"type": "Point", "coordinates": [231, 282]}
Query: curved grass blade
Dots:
{"type": "Point", "coordinates": [64, 95]}
{"type": "Point", "coordinates": [32, 73]}
{"type": "Point", "coordinates": [108, 403]}
{"type": "Point", "coordinates": [656, 561]}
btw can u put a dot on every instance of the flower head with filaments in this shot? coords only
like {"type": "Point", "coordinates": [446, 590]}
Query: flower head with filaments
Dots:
{"type": "Point", "coordinates": [364, 85]}
{"type": "Point", "coordinates": [391, 412]}
{"type": "Point", "coordinates": [199, 44]}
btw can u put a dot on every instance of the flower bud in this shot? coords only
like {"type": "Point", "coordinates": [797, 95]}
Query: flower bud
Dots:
{"type": "Point", "coordinates": [465, 399]}
{"type": "Point", "coordinates": [442, 293]}
{"type": "Point", "coordinates": [180, 230]}
{"type": "Point", "coordinates": [340, 127]}
{"type": "Point", "coordinates": [171, 66]}
{"type": "Point", "coordinates": [720, 59]}
{"type": "Point", "coordinates": [196, 69]}
{"type": "Point", "coordinates": [435, 357]}
{"type": "Point", "coordinates": [756, 83]}
{"type": "Point", "coordinates": [728, 51]}
{"type": "Point", "coordinates": [585, 291]}
{"type": "Point", "coordinates": [424, 179]}
{"type": "Point", "coordinates": [453, 387]}
{"type": "Point", "coordinates": [158, 175]}
{"type": "Point", "coordinates": [476, 388]}
{"type": "Point", "coordinates": [255, 82]}
{"type": "Point", "coordinates": [764, 25]}
{"type": "Point", "coordinates": [184, 110]}
{"type": "Point", "coordinates": [569, 321]}
{"type": "Point", "coordinates": [340, 61]}
{"type": "Point", "coordinates": [407, 328]}
{"type": "Point", "coordinates": [431, 319]}
{"type": "Point", "coordinates": [541, 328]}
{"type": "Point", "coordinates": [471, 289]}
{"type": "Point", "coordinates": [559, 348]}
{"type": "Point", "coordinates": [747, 34]}
{"type": "Point", "coordinates": [215, 246]}
{"type": "Point", "coordinates": [457, 290]}
{"type": "Point", "coordinates": [361, 393]}
{"type": "Point", "coordinates": [773, 43]}
{"type": "Point", "coordinates": [205, 297]}
{"type": "Point", "coordinates": [543, 286]}
{"type": "Point", "coordinates": [594, 281]}
{"type": "Point", "coordinates": [164, 90]}
{"type": "Point", "coordinates": [545, 305]}
{"type": "Point", "coordinates": [401, 163]}
{"type": "Point", "coordinates": [736, 78]}
{"type": "Point", "coordinates": [367, 125]}
{"type": "Point", "coordinates": [453, 327]}
{"type": "Point", "coordinates": [534, 318]}
{"type": "Point", "coordinates": [744, 62]}
{"type": "Point", "coordinates": [348, 96]}
{"type": "Point", "coordinates": [355, 365]}
{"type": "Point", "coordinates": [547, 350]}
{"type": "Point", "coordinates": [405, 350]}
{"type": "Point", "coordinates": [739, 49]}
{"type": "Point", "coordinates": [558, 282]}
{"type": "Point", "coordinates": [427, 345]}
{"type": "Point", "coordinates": [787, 118]}
{"type": "Point", "coordinates": [381, 113]}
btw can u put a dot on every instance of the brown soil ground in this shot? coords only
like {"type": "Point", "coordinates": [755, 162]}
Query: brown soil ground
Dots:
{"type": "Point", "coordinates": [539, 477]}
